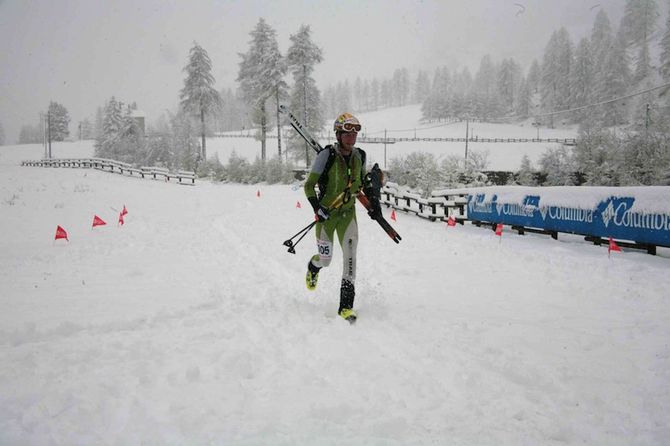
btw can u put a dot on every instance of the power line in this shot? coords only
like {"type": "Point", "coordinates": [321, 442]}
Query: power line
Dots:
{"type": "Point", "coordinates": [603, 102]}
{"type": "Point", "coordinates": [418, 129]}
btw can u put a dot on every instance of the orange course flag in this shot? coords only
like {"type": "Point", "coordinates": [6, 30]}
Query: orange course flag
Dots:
{"type": "Point", "coordinates": [451, 221]}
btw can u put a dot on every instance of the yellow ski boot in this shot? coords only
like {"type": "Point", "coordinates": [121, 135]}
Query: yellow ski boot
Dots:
{"type": "Point", "coordinates": [312, 276]}
{"type": "Point", "coordinates": [348, 314]}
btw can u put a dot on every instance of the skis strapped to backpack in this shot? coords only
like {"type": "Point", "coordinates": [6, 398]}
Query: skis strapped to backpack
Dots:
{"type": "Point", "coordinates": [374, 177]}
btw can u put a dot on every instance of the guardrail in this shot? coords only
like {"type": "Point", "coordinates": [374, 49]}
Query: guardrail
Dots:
{"type": "Point", "coordinates": [112, 166]}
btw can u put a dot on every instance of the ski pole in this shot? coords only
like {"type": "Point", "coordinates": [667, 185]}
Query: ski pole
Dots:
{"type": "Point", "coordinates": [291, 248]}
{"type": "Point", "coordinates": [335, 204]}
{"type": "Point", "coordinates": [289, 243]}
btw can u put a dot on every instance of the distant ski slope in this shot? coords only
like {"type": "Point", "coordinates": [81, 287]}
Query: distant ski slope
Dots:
{"type": "Point", "coordinates": [406, 122]}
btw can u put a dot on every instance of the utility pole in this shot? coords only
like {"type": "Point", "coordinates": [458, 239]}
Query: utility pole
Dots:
{"type": "Point", "coordinates": [646, 123]}
{"type": "Point", "coordinates": [278, 124]}
{"type": "Point", "coordinates": [467, 131]}
{"type": "Point", "coordinates": [304, 110]}
{"type": "Point", "coordinates": [384, 148]}
{"type": "Point", "coordinates": [49, 131]}
{"type": "Point", "coordinates": [43, 128]}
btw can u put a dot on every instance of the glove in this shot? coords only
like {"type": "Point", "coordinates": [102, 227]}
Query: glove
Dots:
{"type": "Point", "coordinates": [320, 212]}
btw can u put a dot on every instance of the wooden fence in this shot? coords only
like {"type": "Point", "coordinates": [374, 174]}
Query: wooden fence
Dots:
{"type": "Point", "coordinates": [106, 165]}
{"type": "Point", "coordinates": [389, 140]}
{"type": "Point", "coordinates": [566, 141]}
{"type": "Point", "coordinates": [439, 206]}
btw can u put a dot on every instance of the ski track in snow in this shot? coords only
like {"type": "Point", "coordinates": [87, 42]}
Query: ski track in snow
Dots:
{"type": "Point", "coordinates": [192, 325]}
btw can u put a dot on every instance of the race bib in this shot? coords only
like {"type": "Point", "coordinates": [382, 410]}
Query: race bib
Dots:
{"type": "Point", "coordinates": [325, 249]}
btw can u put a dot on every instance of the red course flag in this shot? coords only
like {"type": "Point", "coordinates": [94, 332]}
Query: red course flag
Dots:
{"type": "Point", "coordinates": [97, 221]}
{"type": "Point", "coordinates": [613, 247]}
{"type": "Point", "coordinates": [499, 229]}
{"type": "Point", "coordinates": [298, 205]}
{"type": "Point", "coordinates": [451, 221]}
{"type": "Point", "coordinates": [121, 218]}
{"type": "Point", "coordinates": [258, 193]}
{"type": "Point", "coordinates": [124, 211]}
{"type": "Point", "coordinates": [61, 233]}
{"type": "Point", "coordinates": [393, 215]}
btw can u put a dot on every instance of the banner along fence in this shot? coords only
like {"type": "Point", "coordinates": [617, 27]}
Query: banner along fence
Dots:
{"type": "Point", "coordinates": [637, 217]}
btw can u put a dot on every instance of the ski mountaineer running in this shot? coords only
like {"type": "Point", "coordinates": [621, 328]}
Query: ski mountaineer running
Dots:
{"type": "Point", "coordinates": [340, 173]}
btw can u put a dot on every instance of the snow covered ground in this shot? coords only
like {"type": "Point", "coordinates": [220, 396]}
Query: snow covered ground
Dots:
{"type": "Point", "coordinates": [191, 324]}
{"type": "Point", "coordinates": [401, 122]}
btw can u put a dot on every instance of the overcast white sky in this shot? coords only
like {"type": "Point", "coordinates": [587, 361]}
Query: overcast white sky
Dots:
{"type": "Point", "coordinates": [80, 53]}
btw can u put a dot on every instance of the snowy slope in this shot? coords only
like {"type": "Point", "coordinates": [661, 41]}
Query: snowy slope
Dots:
{"type": "Point", "coordinates": [405, 122]}
{"type": "Point", "coordinates": [192, 325]}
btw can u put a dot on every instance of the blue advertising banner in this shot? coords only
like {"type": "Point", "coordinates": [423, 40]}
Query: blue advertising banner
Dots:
{"type": "Point", "coordinates": [613, 217]}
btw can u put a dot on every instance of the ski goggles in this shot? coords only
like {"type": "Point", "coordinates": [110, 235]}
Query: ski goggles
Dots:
{"type": "Point", "coordinates": [349, 127]}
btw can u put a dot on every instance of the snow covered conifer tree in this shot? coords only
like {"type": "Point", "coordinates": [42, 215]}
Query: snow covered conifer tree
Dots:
{"type": "Point", "coordinates": [525, 176]}
{"type": "Point", "coordinates": [59, 121]}
{"type": "Point", "coordinates": [374, 94]}
{"type": "Point", "coordinates": [366, 95]}
{"type": "Point", "coordinates": [596, 154]}
{"type": "Point", "coordinates": [638, 26]}
{"type": "Point", "coordinates": [421, 87]}
{"type": "Point", "coordinates": [442, 92]}
{"type": "Point", "coordinates": [509, 81]}
{"type": "Point", "coordinates": [358, 93]}
{"type": "Point", "coordinates": [601, 38]}
{"type": "Point", "coordinates": [430, 108]}
{"type": "Point", "coordinates": [533, 78]}
{"type": "Point", "coordinates": [260, 75]}
{"type": "Point", "coordinates": [487, 103]}
{"type": "Point", "coordinates": [614, 77]}
{"type": "Point", "coordinates": [112, 123]}
{"type": "Point", "coordinates": [581, 78]}
{"type": "Point", "coordinates": [401, 86]}
{"type": "Point", "coordinates": [523, 103]}
{"type": "Point", "coordinates": [564, 64]}
{"type": "Point", "coordinates": [548, 78]}
{"type": "Point", "coordinates": [199, 95]}
{"type": "Point", "coordinates": [665, 49]}
{"type": "Point", "coordinates": [303, 55]}
{"type": "Point", "coordinates": [558, 164]}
